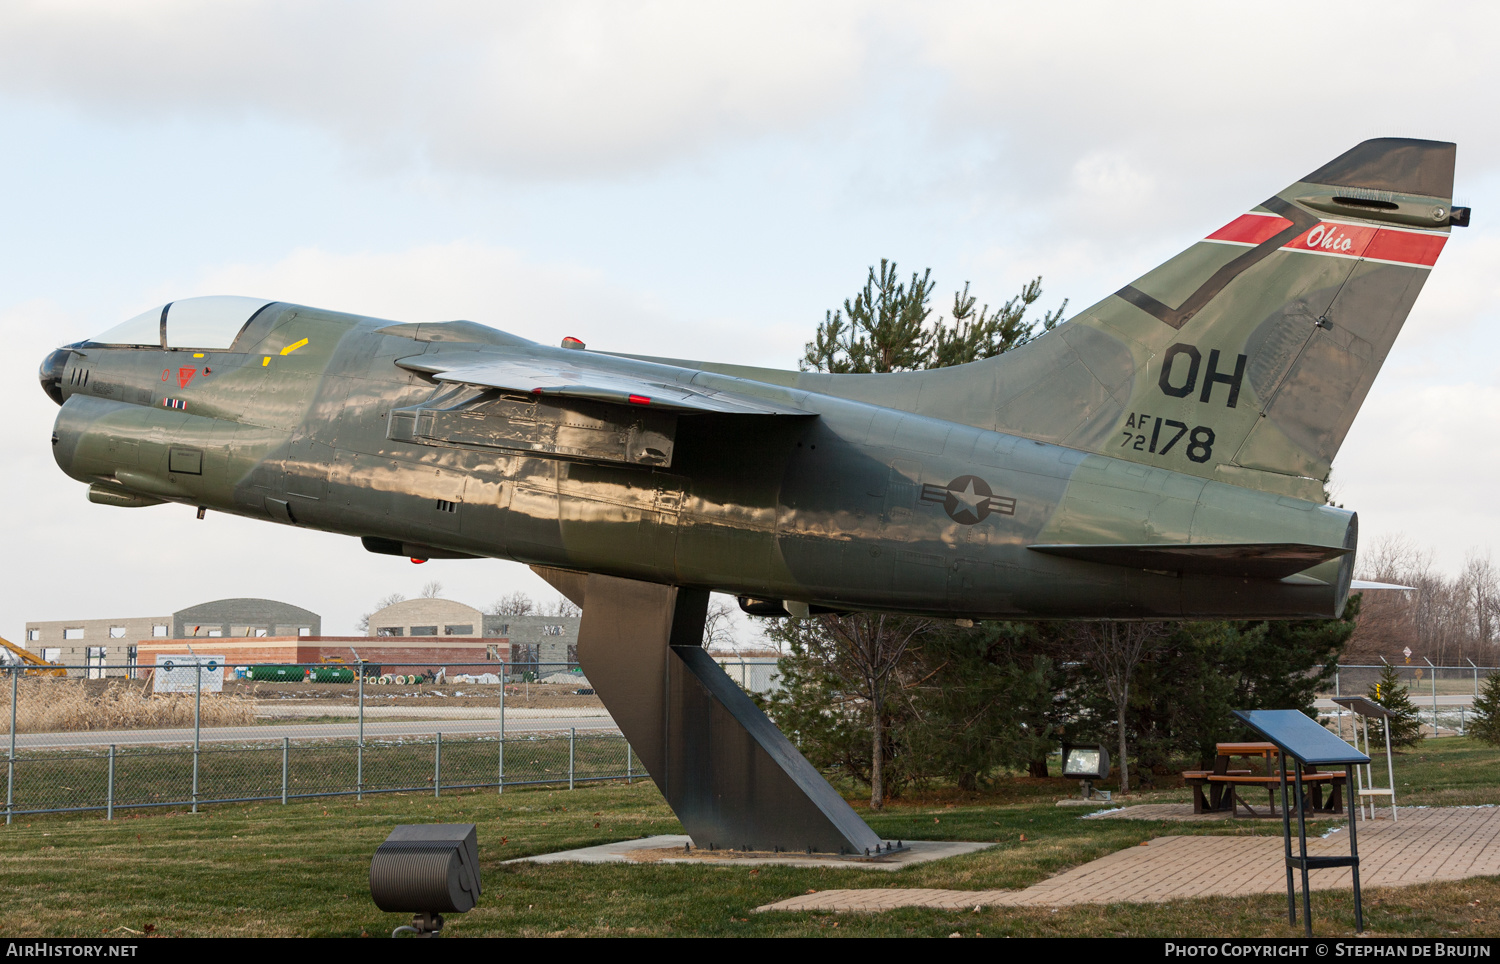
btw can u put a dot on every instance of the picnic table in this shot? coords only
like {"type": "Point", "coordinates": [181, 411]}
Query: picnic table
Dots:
{"type": "Point", "coordinates": [1224, 784]}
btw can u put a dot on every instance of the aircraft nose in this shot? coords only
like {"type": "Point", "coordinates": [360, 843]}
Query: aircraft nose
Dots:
{"type": "Point", "coordinates": [51, 373]}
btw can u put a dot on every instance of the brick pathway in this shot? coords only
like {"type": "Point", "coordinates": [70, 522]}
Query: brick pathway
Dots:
{"type": "Point", "coordinates": [1426, 845]}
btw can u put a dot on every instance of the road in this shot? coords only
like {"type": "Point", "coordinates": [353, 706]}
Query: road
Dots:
{"type": "Point", "coordinates": [285, 710]}
{"type": "Point", "coordinates": [1419, 699]}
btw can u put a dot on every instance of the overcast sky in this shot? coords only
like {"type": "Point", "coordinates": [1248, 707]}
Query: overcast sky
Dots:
{"type": "Point", "coordinates": [690, 179]}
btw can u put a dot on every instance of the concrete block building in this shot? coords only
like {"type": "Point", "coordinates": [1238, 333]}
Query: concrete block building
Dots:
{"type": "Point", "coordinates": [535, 643]}
{"type": "Point", "coordinates": [549, 643]}
{"type": "Point", "coordinates": [427, 617]}
{"type": "Point", "coordinates": [94, 643]}
{"type": "Point", "coordinates": [245, 618]}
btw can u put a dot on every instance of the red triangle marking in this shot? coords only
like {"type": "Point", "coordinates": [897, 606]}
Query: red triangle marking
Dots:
{"type": "Point", "coordinates": [185, 375]}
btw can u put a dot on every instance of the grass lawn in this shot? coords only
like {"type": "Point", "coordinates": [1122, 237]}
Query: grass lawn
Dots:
{"type": "Point", "coordinates": [269, 870]}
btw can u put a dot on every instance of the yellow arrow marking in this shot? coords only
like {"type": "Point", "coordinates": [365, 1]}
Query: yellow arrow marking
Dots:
{"type": "Point", "coordinates": [293, 347]}
{"type": "Point", "coordinates": [265, 361]}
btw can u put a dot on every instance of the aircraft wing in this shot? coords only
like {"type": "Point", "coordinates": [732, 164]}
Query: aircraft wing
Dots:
{"type": "Point", "coordinates": [548, 377]}
{"type": "Point", "coordinates": [1255, 560]}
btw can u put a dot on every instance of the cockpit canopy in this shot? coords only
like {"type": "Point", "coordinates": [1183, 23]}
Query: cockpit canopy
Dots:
{"type": "Point", "coordinates": [209, 323]}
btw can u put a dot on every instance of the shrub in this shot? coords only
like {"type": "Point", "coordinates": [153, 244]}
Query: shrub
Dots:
{"type": "Point", "coordinates": [50, 705]}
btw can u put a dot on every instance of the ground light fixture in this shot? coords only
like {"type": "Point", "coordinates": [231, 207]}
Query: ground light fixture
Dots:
{"type": "Point", "coordinates": [1086, 763]}
{"type": "Point", "coordinates": [427, 870]}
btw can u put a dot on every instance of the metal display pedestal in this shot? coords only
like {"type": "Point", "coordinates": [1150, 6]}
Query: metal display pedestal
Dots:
{"type": "Point", "coordinates": [733, 779]}
{"type": "Point", "coordinates": [1308, 744]}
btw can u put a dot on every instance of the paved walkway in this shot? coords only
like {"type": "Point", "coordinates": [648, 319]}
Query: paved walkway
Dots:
{"type": "Point", "coordinates": [1425, 845]}
{"type": "Point", "coordinates": [1183, 813]}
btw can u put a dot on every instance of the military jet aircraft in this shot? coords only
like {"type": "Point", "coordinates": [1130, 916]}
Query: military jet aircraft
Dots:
{"type": "Point", "coordinates": [1161, 455]}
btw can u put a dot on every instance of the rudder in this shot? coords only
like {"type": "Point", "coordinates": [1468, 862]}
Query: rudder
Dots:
{"type": "Point", "coordinates": [1245, 357]}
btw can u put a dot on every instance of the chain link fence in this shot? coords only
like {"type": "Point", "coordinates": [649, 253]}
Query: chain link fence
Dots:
{"type": "Point", "coordinates": [1420, 677]}
{"type": "Point", "coordinates": [1443, 695]}
{"type": "Point", "coordinates": [194, 730]}
{"type": "Point", "coordinates": [755, 674]}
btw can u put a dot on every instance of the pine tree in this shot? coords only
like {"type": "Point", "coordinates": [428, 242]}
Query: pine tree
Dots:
{"type": "Point", "coordinates": [888, 326]}
{"type": "Point", "coordinates": [1391, 693]}
{"type": "Point", "coordinates": [1486, 722]}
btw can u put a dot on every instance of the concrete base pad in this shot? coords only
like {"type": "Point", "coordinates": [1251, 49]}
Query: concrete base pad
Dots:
{"type": "Point", "coordinates": [669, 849]}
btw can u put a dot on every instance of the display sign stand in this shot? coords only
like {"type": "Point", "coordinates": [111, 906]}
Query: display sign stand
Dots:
{"type": "Point", "coordinates": [1361, 711]}
{"type": "Point", "coordinates": [1300, 737]}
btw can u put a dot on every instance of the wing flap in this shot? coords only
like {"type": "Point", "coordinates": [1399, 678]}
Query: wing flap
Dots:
{"type": "Point", "coordinates": [527, 376]}
{"type": "Point", "coordinates": [1256, 560]}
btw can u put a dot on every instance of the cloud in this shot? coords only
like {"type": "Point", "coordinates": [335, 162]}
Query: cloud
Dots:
{"type": "Point", "coordinates": [544, 90]}
{"type": "Point", "coordinates": [1422, 460]}
{"type": "Point", "coordinates": [503, 288]}
{"type": "Point", "coordinates": [1141, 120]}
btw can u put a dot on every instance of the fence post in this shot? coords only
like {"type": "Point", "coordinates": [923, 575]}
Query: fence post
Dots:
{"type": "Point", "coordinates": [500, 780]}
{"type": "Point", "coordinates": [359, 752]}
{"type": "Point", "coordinates": [197, 707]}
{"type": "Point", "coordinates": [572, 738]}
{"type": "Point", "coordinates": [1336, 669]}
{"type": "Point", "coordinates": [286, 748]}
{"type": "Point", "coordinates": [109, 792]}
{"type": "Point", "coordinates": [10, 767]}
{"type": "Point", "coordinates": [1433, 669]}
{"type": "Point", "coordinates": [437, 766]}
{"type": "Point", "coordinates": [1476, 675]}
{"type": "Point", "coordinates": [628, 773]}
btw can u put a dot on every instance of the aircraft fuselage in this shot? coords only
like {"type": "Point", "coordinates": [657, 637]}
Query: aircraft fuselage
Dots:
{"type": "Point", "coordinates": [310, 421]}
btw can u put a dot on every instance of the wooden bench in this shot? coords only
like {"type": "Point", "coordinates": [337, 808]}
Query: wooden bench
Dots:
{"type": "Point", "coordinates": [1198, 780]}
{"type": "Point", "coordinates": [1312, 783]}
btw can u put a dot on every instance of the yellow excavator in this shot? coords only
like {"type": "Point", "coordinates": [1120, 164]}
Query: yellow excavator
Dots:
{"type": "Point", "coordinates": [35, 665]}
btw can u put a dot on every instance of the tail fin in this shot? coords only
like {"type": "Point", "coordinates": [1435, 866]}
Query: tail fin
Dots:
{"type": "Point", "coordinates": [1245, 357]}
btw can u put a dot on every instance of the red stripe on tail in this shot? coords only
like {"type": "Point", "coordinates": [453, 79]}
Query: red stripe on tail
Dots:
{"type": "Point", "coordinates": [1251, 229]}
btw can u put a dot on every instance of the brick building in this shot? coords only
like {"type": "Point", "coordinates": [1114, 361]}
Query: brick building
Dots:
{"type": "Point", "coordinates": [462, 655]}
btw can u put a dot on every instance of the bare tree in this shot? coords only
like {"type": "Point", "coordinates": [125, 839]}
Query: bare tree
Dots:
{"type": "Point", "coordinates": [1446, 620]}
{"type": "Point", "coordinates": [364, 621]}
{"type": "Point", "coordinates": [1114, 650]}
{"type": "Point", "coordinates": [718, 628]}
{"type": "Point", "coordinates": [432, 590]}
{"type": "Point", "coordinates": [561, 606]}
{"type": "Point", "coordinates": [1481, 590]}
{"type": "Point", "coordinates": [513, 604]}
{"type": "Point", "coordinates": [874, 644]}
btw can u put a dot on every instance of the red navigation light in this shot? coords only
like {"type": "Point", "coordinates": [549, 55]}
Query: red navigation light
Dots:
{"type": "Point", "coordinates": [417, 562]}
{"type": "Point", "coordinates": [571, 342]}
{"type": "Point", "coordinates": [640, 400]}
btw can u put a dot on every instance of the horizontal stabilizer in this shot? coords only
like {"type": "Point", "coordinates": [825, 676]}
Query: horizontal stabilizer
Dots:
{"type": "Point", "coordinates": [526, 376]}
{"type": "Point", "coordinates": [1256, 560]}
{"type": "Point", "coordinates": [1364, 585]}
